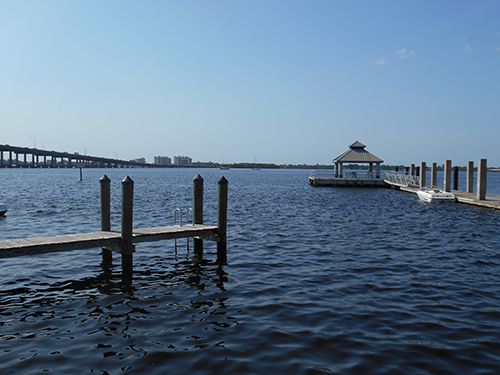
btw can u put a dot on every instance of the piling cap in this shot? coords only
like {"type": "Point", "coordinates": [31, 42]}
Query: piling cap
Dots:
{"type": "Point", "coordinates": [127, 180]}
{"type": "Point", "coordinates": [223, 181]}
{"type": "Point", "coordinates": [198, 177]}
{"type": "Point", "coordinates": [104, 179]}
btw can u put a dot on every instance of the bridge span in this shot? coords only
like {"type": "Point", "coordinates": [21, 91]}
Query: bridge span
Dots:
{"type": "Point", "coordinates": [25, 157]}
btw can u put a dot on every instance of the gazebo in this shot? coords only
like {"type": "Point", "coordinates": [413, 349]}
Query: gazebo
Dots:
{"type": "Point", "coordinates": [357, 154]}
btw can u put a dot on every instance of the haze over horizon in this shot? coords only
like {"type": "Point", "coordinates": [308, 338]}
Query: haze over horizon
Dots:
{"type": "Point", "coordinates": [285, 82]}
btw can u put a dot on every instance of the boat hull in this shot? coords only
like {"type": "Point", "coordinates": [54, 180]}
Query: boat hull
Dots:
{"type": "Point", "coordinates": [435, 196]}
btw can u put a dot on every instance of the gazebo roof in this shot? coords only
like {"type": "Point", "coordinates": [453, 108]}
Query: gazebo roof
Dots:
{"type": "Point", "coordinates": [357, 154]}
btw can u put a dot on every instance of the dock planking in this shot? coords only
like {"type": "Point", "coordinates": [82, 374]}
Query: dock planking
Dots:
{"type": "Point", "coordinates": [123, 241]}
{"type": "Point", "coordinates": [490, 201]}
{"type": "Point", "coordinates": [108, 239]}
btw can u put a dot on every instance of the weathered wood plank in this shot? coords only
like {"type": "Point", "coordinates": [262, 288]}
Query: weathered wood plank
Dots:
{"type": "Point", "coordinates": [171, 232]}
{"type": "Point", "coordinates": [39, 245]}
{"type": "Point", "coordinates": [108, 239]}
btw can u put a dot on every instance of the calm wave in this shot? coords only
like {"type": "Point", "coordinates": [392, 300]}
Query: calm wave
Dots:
{"type": "Point", "coordinates": [317, 280]}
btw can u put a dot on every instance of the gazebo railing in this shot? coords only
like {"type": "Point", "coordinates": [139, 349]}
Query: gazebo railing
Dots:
{"type": "Point", "coordinates": [330, 173]}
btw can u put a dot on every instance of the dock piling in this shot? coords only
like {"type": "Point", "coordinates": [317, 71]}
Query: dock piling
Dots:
{"type": "Point", "coordinates": [447, 176]}
{"type": "Point", "coordinates": [127, 225]}
{"type": "Point", "coordinates": [434, 175]}
{"type": "Point", "coordinates": [481, 180]}
{"type": "Point", "coordinates": [470, 177]}
{"type": "Point", "coordinates": [222, 195]}
{"type": "Point", "coordinates": [455, 178]}
{"type": "Point", "coordinates": [104, 185]}
{"type": "Point", "coordinates": [198, 211]}
{"type": "Point", "coordinates": [423, 172]}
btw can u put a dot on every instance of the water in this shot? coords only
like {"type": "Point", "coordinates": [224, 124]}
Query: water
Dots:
{"type": "Point", "coordinates": [317, 280]}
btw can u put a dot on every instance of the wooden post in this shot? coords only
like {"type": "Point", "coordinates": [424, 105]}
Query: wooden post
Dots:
{"type": "Point", "coordinates": [423, 170]}
{"type": "Point", "coordinates": [104, 184]}
{"type": "Point", "coordinates": [434, 175]}
{"type": "Point", "coordinates": [470, 177]}
{"type": "Point", "coordinates": [447, 175]}
{"type": "Point", "coordinates": [222, 194]}
{"type": "Point", "coordinates": [455, 178]}
{"type": "Point", "coordinates": [81, 175]}
{"type": "Point", "coordinates": [127, 218]}
{"type": "Point", "coordinates": [481, 180]}
{"type": "Point", "coordinates": [412, 170]}
{"type": "Point", "coordinates": [198, 211]}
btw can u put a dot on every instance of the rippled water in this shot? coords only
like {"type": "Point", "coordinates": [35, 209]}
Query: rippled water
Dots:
{"type": "Point", "coordinates": [317, 280]}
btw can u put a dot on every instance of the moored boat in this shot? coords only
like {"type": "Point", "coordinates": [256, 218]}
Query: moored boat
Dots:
{"type": "Point", "coordinates": [435, 195]}
{"type": "Point", "coordinates": [3, 209]}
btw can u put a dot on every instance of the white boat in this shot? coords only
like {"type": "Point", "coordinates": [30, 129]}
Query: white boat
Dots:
{"type": "Point", "coordinates": [3, 209]}
{"type": "Point", "coordinates": [435, 195]}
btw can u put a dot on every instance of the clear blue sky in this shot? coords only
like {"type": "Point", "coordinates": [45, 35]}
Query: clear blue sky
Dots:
{"type": "Point", "coordinates": [282, 81]}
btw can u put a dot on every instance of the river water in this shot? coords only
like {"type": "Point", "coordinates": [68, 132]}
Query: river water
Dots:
{"type": "Point", "coordinates": [317, 280]}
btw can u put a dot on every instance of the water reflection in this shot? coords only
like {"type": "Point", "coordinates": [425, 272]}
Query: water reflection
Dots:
{"type": "Point", "coordinates": [173, 304]}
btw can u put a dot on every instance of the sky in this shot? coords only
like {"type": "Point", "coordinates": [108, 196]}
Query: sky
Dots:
{"type": "Point", "coordinates": [272, 81]}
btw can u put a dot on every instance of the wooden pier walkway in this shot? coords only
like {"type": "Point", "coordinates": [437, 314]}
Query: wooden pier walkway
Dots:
{"type": "Point", "coordinates": [111, 240]}
{"type": "Point", "coordinates": [412, 180]}
{"type": "Point", "coordinates": [123, 241]}
{"type": "Point", "coordinates": [491, 200]}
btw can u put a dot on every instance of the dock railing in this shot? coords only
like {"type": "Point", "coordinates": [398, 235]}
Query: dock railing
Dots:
{"type": "Point", "coordinates": [400, 179]}
{"type": "Point", "coordinates": [346, 174]}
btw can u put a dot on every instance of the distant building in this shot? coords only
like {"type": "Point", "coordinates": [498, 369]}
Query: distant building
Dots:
{"type": "Point", "coordinates": [163, 160]}
{"type": "Point", "coordinates": [139, 160]}
{"type": "Point", "coordinates": [182, 160]}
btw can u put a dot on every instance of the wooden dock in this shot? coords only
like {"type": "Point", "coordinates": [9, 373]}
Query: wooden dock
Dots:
{"type": "Point", "coordinates": [491, 201]}
{"type": "Point", "coordinates": [123, 241]}
{"type": "Point", "coordinates": [110, 240]}
{"type": "Point", "coordinates": [350, 179]}
{"type": "Point", "coordinates": [415, 178]}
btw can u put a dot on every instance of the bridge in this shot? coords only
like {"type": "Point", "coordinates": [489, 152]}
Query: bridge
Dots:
{"type": "Point", "coordinates": [25, 157]}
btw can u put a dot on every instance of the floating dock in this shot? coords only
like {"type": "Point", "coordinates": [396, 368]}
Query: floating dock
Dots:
{"type": "Point", "coordinates": [339, 177]}
{"type": "Point", "coordinates": [349, 179]}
